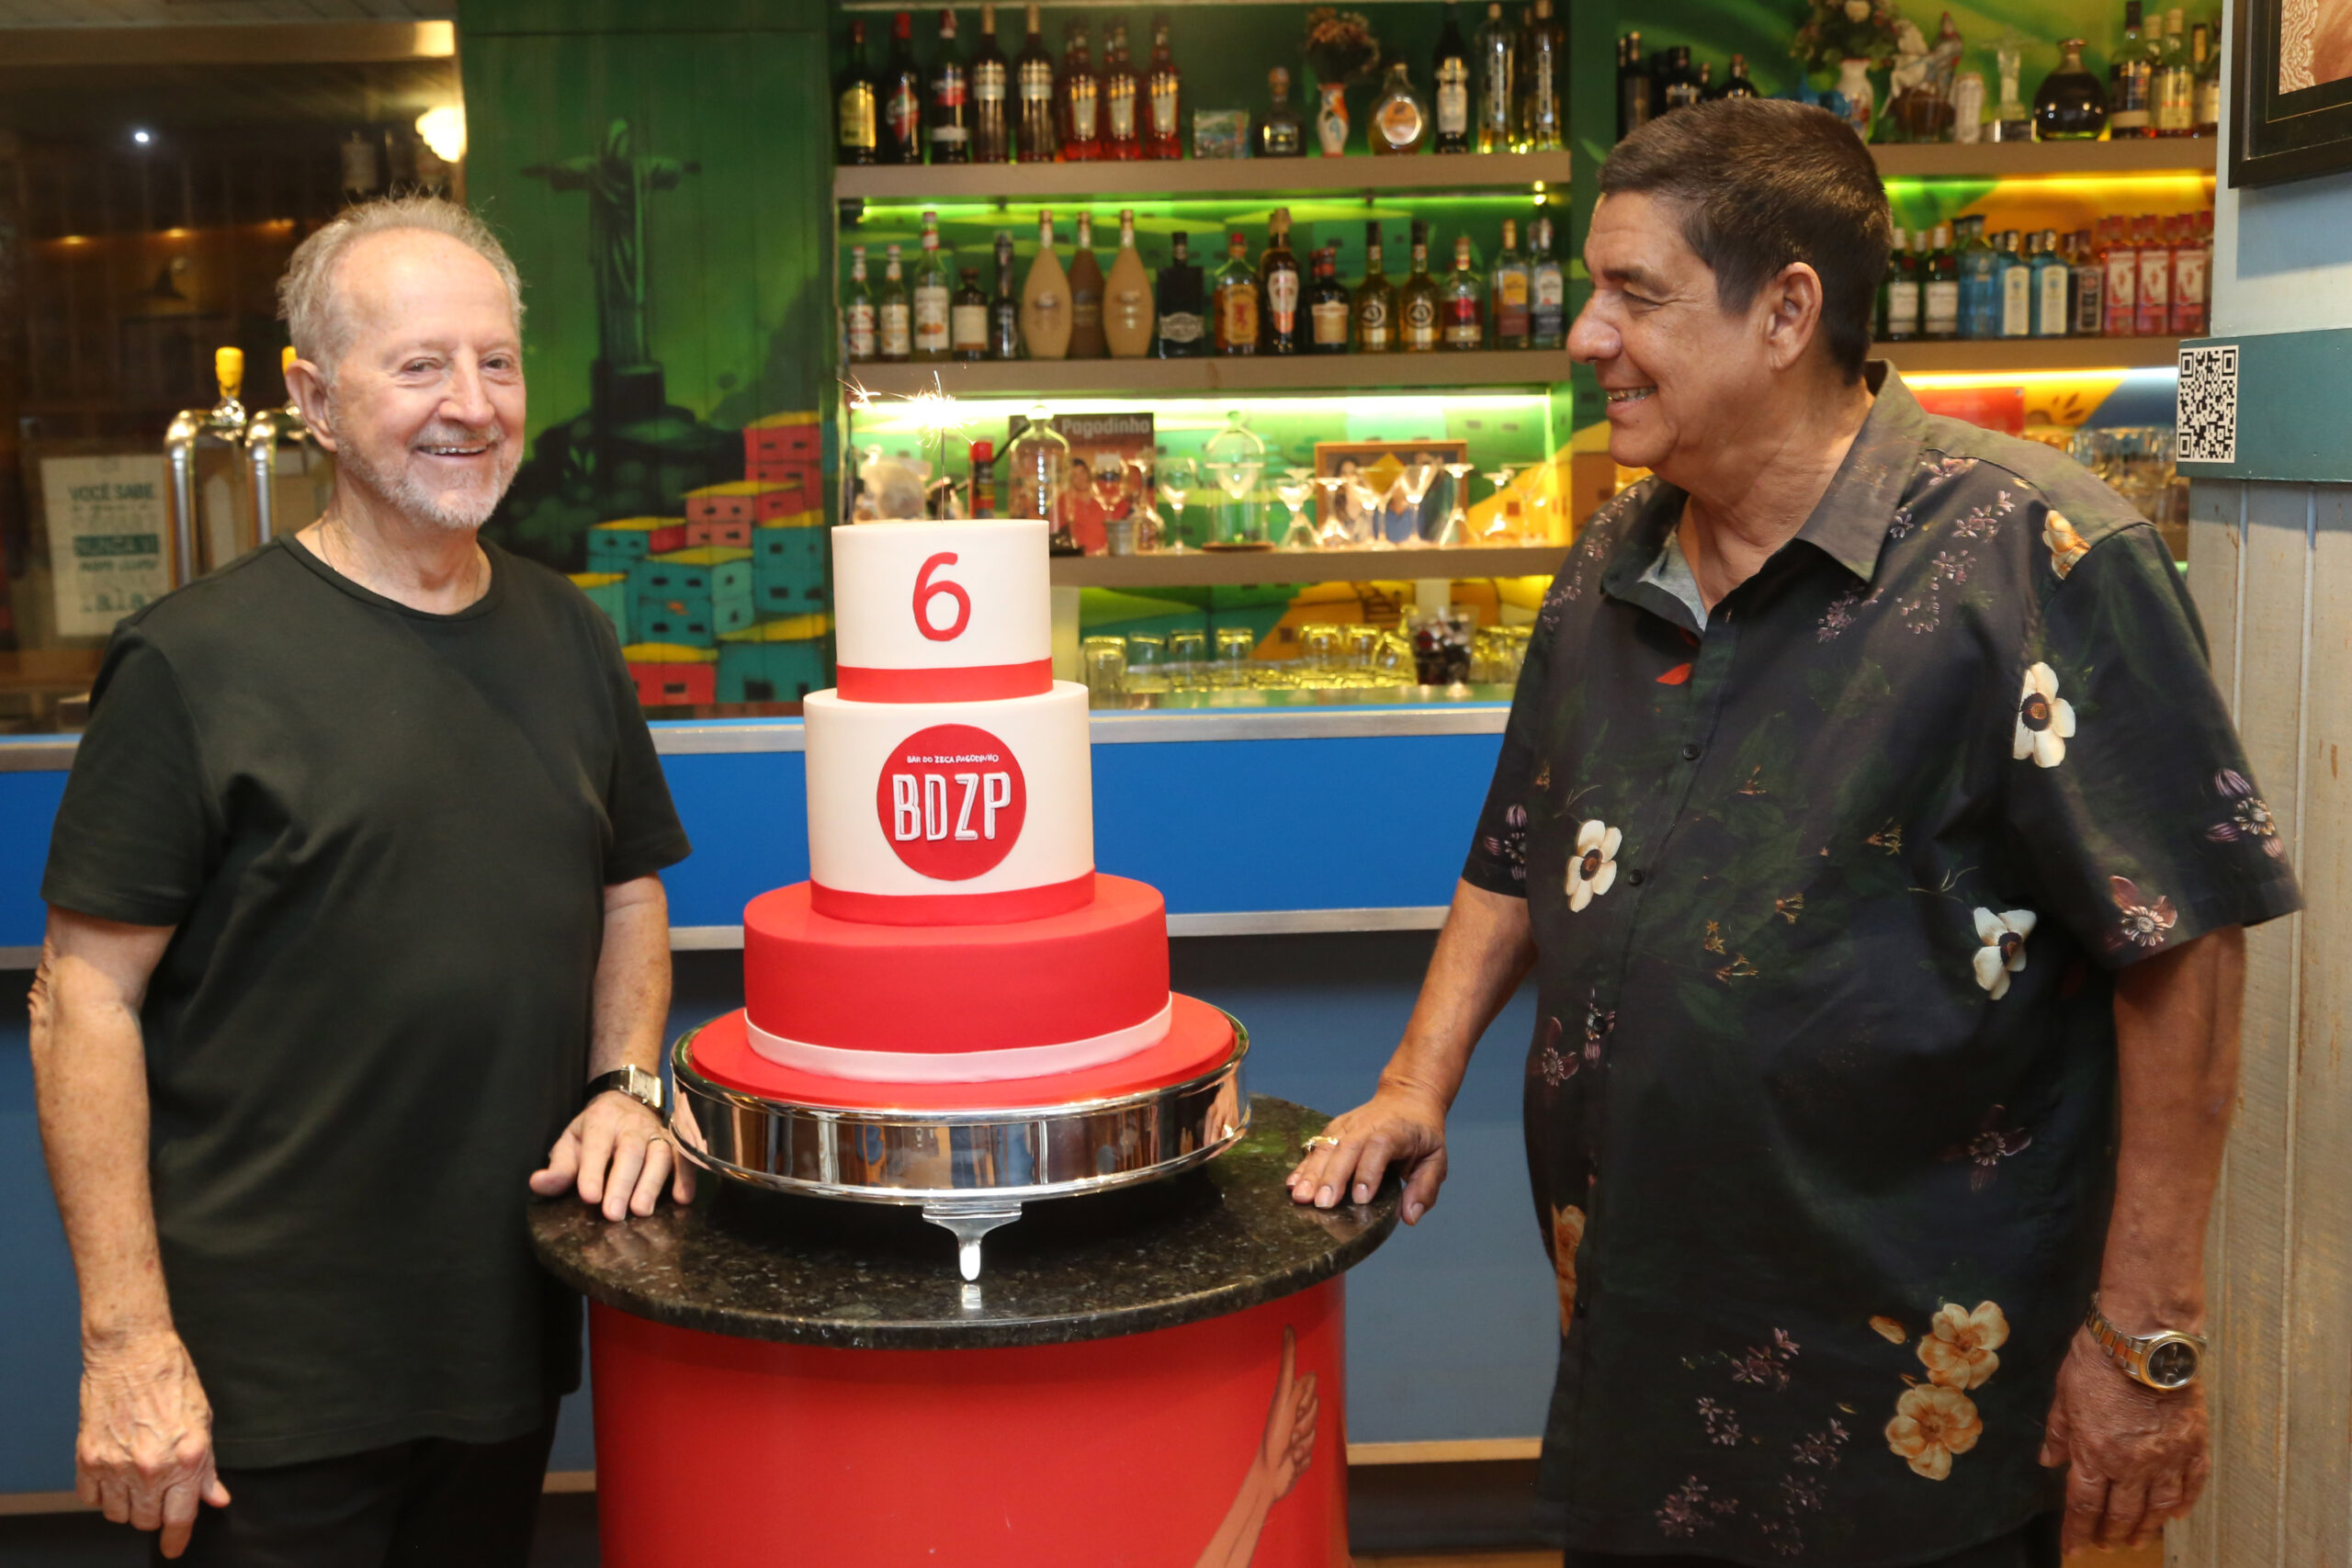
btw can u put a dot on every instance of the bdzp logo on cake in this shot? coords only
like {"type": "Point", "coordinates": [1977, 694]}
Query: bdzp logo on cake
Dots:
{"type": "Point", "coordinates": [951, 800]}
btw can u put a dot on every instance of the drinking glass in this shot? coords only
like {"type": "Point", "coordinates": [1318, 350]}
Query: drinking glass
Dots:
{"type": "Point", "coordinates": [1364, 646]}
{"type": "Point", "coordinates": [1293, 490]}
{"type": "Point", "coordinates": [1319, 647]}
{"type": "Point", "coordinates": [1455, 529]}
{"type": "Point", "coordinates": [1147, 663]}
{"type": "Point", "coordinates": [1235, 646]}
{"type": "Point", "coordinates": [1105, 661]}
{"type": "Point", "coordinates": [1413, 483]}
{"type": "Point", "coordinates": [1179, 478]}
{"type": "Point", "coordinates": [1498, 529]}
{"type": "Point", "coordinates": [1365, 531]}
{"type": "Point", "coordinates": [1188, 650]}
{"type": "Point", "coordinates": [1331, 530]}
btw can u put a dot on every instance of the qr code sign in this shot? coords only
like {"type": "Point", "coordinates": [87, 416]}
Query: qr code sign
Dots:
{"type": "Point", "coordinates": [2209, 405]}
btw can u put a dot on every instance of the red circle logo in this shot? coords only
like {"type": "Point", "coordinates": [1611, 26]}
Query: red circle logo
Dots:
{"type": "Point", "coordinates": [951, 800]}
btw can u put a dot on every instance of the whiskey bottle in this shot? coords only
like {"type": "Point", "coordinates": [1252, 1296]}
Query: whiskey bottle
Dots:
{"type": "Point", "coordinates": [1498, 80]}
{"type": "Point", "coordinates": [2130, 79]}
{"type": "Point", "coordinates": [1418, 309]}
{"type": "Point", "coordinates": [1126, 297]}
{"type": "Point", "coordinates": [1508, 290]}
{"type": "Point", "coordinates": [951, 99]}
{"type": "Point", "coordinates": [1278, 276]}
{"type": "Point", "coordinates": [991, 84]}
{"type": "Point", "coordinates": [1460, 302]}
{"type": "Point", "coordinates": [2207, 55]}
{"type": "Point", "coordinates": [931, 295]}
{"type": "Point", "coordinates": [1045, 299]}
{"type": "Point", "coordinates": [1122, 93]}
{"type": "Point", "coordinates": [1450, 71]}
{"type": "Point", "coordinates": [967, 319]}
{"type": "Point", "coordinates": [1637, 89]}
{"type": "Point", "coordinates": [1036, 138]}
{"type": "Point", "coordinates": [1328, 306]}
{"type": "Point", "coordinates": [902, 95]}
{"type": "Point", "coordinates": [1735, 82]}
{"type": "Point", "coordinates": [1086, 340]}
{"type": "Point", "coordinates": [1280, 135]}
{"type": "Point", "coordinates": [893, 319]}
{"type": "Point", "coordinates": [1375, 302]}
{"type": "Point", "coordinates": [1182, 334]}
{"type": "Point", "coordinates": [1547, 291]}
{"type": "Point", "coordinates": [1081, 97]}
{"type": "Point", "coordinates": [856, 106]}
{"type": "Point", "coordinates": [1543, 65]}
{"type": "Point", "coordinates": [857, 311]}
{"type": "Point", "coordinates": [1163, 96]}
{"type": "Point", "coordinates": [1004, 311]}
{"type": "Point", "coordinates": [1678, 87]}
{"type": "Point", "coordinates": [1238, 300]}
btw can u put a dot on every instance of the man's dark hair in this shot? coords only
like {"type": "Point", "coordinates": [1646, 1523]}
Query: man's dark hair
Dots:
{"type": "Point", "coordinates": [1761, 183]}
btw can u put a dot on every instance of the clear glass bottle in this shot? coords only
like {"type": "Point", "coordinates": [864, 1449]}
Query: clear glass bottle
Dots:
{"type": "Point", "coordinates": [1375, 299]}
{"type": "Point", "coordinates": [1418, 311]}
{"type": "Point", "coordinates": [1279, 135]}
{"type": "Point", "coordinates": [1183, 333]}
{"type": "Point", "coordinates": [931, 294]}
{"type": "Point", "coordinates": [1507, 289]}
{"type": "Point", "coordinates": [1547, 291]}
{"type": "Point", "coordinates": [1543, 69]}
{"type": "Point", "coordinates": [2070, 105]}
{"type": "Point", "coordinates": [1449, 77]}
{"type": "Point", "coordinates": [1400, 117]}
{"type": "Point", "coordinates": [1235, 459]}
{"type": "Point", "coordinates": [1037, 465]}
{"type": "Point", "coordinates": [858, 341]}
{"type": "Point", "coordinates": [2172, 101]}
{"type": "Point", "coordinates": [1498, 80]}
{"type": "Point", "coordinates": [1004, 310]}
{"type": "Point", "coordinates": [893, 313]}
{"type": "Point", "coordinates": [2130, 79]}
{"type": "Point", "coordinates": [1461, 303]}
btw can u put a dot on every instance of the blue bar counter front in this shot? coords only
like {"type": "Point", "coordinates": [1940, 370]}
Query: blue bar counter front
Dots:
{"type": "Point", "coordinates": [1307, 855]}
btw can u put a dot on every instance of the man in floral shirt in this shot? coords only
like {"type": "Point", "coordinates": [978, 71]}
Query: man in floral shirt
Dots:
{"type": "Point", "coordinates": [1881, 851]}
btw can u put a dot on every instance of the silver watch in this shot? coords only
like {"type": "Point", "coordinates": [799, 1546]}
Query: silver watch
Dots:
{"type": "Point", "coordinates": [633, 1081]}
{"type": "Point", "coordinates": [2167, 1360]}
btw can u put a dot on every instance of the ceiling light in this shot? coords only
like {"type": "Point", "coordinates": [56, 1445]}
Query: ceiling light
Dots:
{"type": "Point", "coordinates": [444, 130]}
{"type": "Point", "coordinates": [142, 136]}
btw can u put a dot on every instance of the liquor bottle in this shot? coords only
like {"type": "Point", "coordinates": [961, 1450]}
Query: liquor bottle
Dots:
{"type": "Point", "coordinates": [2207, 55]}
{"type": "Point", "coordinates": [1507, 289]}
{"type": "Point", "coordinates": [1637, 89]}
{"type": "Point", "coordinates": [931, 295]}
{"type": "Point", "coordinates": [991, 88]}
{"type": "Point", "coordinates": [857, 106]}
{"type": "Point", "coordinates": [1543, 66]}
{"type": "Point", "coordinates": [1417, 308]}
{"type": "Point", "coordinates": [1045, 299]}
{"type": "Point", "coordinates": [2015, 272]}
{"type": "Point", "coordinates": [1127, 297]}
{"type": "Point", "coordinates": [2070, 105]}
{"type": "Point", "coordinates": [1238, 300]}
{"type": "Point", "coordinates": [1980, 299]}
{"type": "Point", "coordinates": [1086, 339]}
{"type": "Point", "coordinates": [951, 99]}
{"type": "Point", "coordinates": [2086, 291]}
{"type": "Point", "coordinates": [2130, 78]}
{"type": "Point", "coordinates": [1450, 71]}
{"type": "Point", "coordinates": [1182, 334]}
{"type": "Point", "coordinates": [902, 95]}
{"type": "Point", "coordinates": [1004, 311]}
{"type": "Point", "coordinates": [1707, 93]}
{"type": "Point", "coordinates": [967, 319]}
{"type": "Point", "coordinates": [1737, 85]}
{"type": "Point", "coordinates": [1081, 97]}
{"type": "Point", "coordinates": [1547, 291]}
{"type": "Point", "coordinates": [1497, 81]}
{"type": "Point", "coordinates": [1400, 120]}
{"type": "Point", "coordinates": [1678, 83]}
{"type": "Point", "coordinates": [2152, 314]}
{"type": "Point", "coordinates": [1122, 95]}
{"type": "Point", "coordinates": [2172, 101]}
{"type": "Point", "coordinates": [1898, 295]}
{"type": "Point", "coordinates": [2192, 271]}
{"type": "Point", "coordinates": [1375, 302]}
{"type": "Point", "coordinates": [857, 311]}
{"type": "Point", "coordinates": [2120, 256]}
{"type": "Point", "coordinates": [1163, 97]}
{"type": "Point", "coordinates": [1036, 137]}
{"type": "Point", "coordinates": [1279, 135]}
{"type": "Point", "coordinates": [1328, 306]}
{"type": "Point", "coordinates": [1278, 330]}
{"type": "Point", "coordinates": [1461, 308]}
{"type": "Point", "coordinates": [983, 499]}
{"type": "Point", "coordinates": [894, 324]}
{"type": "Point", "coordinates": [1939, 287]}
{"type": "Point", "coordinates": [2052, 277]}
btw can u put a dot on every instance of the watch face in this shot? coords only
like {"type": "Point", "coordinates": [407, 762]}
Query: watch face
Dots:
{"type": "Point", "coordinates": [2172, 1364]}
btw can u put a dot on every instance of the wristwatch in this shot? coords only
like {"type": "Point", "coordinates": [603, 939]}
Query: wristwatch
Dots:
{"type": "Point", "coordinates": [635, 1082]}
{"type": "Point", "coordinates": [2166, 1360]}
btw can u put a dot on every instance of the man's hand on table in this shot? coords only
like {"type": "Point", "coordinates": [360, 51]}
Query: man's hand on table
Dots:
{"type": "Point", "coordinates": [2134, 1457]}
{"type": "Point", "coordinates": [618, 1154]}
{"type": "Point", "coordinates": [144, 1453]}
{"type": "Point", "coordinates": [1401, 1124]}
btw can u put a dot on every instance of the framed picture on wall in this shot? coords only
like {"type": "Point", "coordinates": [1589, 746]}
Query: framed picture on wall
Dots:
{"type": "Point", "coordinates": [1378, 499]}
{"type": "Point", "coordinates": [2292, 115]}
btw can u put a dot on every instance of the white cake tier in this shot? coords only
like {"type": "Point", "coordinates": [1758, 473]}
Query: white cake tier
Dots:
{"type": "Point", "coordinates": [950, 813]}
{"type": "Point", "coordinates": [942, 612]}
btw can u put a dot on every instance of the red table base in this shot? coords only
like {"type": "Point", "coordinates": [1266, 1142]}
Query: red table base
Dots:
{"type": "Point", "coordinates": [1218, 1444]}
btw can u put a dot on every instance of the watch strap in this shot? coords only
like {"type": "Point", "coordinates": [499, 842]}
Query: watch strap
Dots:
{"type": "Point", "coordinates": [2131, 1352]}
{"type": "Point", "coordinates": [634, 1081]}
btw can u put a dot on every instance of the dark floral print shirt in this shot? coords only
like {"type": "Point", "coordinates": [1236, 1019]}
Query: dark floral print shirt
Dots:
{"type": "Point", "coordinates": [1828, 898]}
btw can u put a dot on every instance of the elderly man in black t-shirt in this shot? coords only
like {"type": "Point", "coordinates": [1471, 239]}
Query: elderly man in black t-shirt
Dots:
{"type": "Point", "coordinates": [357, 937]}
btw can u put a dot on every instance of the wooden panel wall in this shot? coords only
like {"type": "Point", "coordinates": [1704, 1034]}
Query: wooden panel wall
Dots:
{"type": "Point", "coordinates": [2271, 566]}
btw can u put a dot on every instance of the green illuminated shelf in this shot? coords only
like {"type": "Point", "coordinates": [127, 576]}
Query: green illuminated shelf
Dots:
{"type": "Point", "coordinates": [1199, 569]}
{"type": "Point", "coordinates": [2091, 160]}
{"type": "Point", "coordinates": [1102, 182]}
{"type": "Point", "coordinates": [1246, 373]}
{"type": "Point", "coordinates": [2003, 355]}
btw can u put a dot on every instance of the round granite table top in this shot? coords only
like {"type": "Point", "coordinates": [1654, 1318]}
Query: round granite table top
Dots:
{"type": "Point", "coordinates": [762, 1265]}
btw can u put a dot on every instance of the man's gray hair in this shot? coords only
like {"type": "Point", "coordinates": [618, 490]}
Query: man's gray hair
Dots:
{"type": "Point", "coordinates": [306, 298]}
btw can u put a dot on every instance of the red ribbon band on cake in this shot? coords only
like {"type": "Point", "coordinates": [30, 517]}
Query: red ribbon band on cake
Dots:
{"type": "Point", "coordinates": [961, 1066]}
{"type": "Point", "coordinates": [966, 684]}
{"type": "Point", "coordinates": [952, 909]}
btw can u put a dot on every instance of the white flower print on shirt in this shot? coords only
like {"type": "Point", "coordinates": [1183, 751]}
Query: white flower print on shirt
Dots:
{"type": "Point", "coordinates": [1593, 870]}
{"type": "Point", "coordinates": [2045, 719]}
{"type": "Point", "coordinates": [2002, 953]}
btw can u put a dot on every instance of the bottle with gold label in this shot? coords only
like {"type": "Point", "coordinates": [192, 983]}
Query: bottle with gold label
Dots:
{"type": "Point", "coordinates": [1509, 291]}
{"type": "Point", "coordinates": [1417, 307]}
{"type": "Point", "coordinates": [991, 95]}
{"type": "Point", "coordinates": [1547, 291]}
{"type": "Point", "coordinates": [857, 106]}
{"type": "Point", "coordinates": [1126, 297]}
{"type": "Point", "coordinates": [1543, 66]}
{"type": "Point", "coordinates": [1375, 301]}
{"type": "Point", "coordinates": [1036, 133]}
{"type": "Point", "coordinates": [1460, 301]}
{"type": "Point", "coordinates": [1278, 276]}
{"type": "Point", "coordinates": [1164, 93]}
{"type": "Point", "coordinates": [1328, 306]}
{"type": "Point", "coordinates": [1238, 300]}
{"type": "Point", "coordinates": [1122, 100]}
{"type": "Point", "coordinates": [1400, 119]}
{"type": "Point", "coordinates": [1450, 69]}
{"type": "Point", "coordinates": [1081, 97]}
{"type": "Point", "coordinates": [1045, 299]}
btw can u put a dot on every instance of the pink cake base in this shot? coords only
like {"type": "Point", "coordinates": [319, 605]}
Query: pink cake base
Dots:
{"type": "Point", "coordinates": [1199, 1038]}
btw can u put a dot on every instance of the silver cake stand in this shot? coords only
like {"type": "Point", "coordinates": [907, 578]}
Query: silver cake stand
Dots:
{"type": "Point", "coordinates": [969, 1171]}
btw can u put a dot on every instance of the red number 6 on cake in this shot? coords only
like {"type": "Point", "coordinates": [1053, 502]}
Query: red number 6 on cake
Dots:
{"type": "Point", "coordinates": [926, 590]}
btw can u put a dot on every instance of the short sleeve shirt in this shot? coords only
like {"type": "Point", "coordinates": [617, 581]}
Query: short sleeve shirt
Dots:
{"type": "Point", "coordinates": [1827, 897]}
{"type": "Point", "coordinates": [382, 837]}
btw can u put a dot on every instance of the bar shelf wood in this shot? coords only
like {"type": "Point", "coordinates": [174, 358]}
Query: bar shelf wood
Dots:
{"type": "Point", "coordinates": [1509, 368]}
{"type": "Point", "coordinates": [1226, 568]}
{"type": "Point", "coordinates": [2092, 159]}
{"type": "Point", "coordinates": [1106, 182]}
{"type": "Point", "coordinates": [1995, 356]}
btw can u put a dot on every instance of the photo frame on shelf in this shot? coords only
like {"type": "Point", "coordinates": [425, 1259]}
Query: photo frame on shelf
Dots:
{"type": "Point", "coordinates": [1380, 463]}
{"type": "Point", "coordinates": [2292, 94]}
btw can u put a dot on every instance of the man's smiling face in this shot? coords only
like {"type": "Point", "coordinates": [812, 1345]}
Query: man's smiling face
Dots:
{"type": "Point", "coordinates": [1679, 372]}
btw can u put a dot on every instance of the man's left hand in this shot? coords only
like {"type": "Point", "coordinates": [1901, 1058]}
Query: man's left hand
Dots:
{"type": "Point", "coordinates": [2134, 1457]}
{"type": "Point", "coordinates": [618, 1154]}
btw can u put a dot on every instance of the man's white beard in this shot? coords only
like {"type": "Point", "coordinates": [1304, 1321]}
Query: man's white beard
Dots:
{"type": "Point", "coordinates": [409, 496]}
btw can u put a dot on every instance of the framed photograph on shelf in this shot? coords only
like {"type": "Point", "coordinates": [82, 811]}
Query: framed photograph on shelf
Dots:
{"type": "Point", "coordinates": [1376, 498]}
{"type": "Point", "coordinates": [2291, 110]}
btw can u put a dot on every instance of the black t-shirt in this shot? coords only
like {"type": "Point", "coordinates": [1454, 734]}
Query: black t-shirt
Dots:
{"type": "Point", "coordinates": [384, 837]}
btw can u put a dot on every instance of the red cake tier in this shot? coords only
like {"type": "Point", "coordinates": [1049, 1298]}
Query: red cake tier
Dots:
{"type": "Point", "coordinates": [1199, 1039]}
{"type": "Point", "coordinates": [847, 985]}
